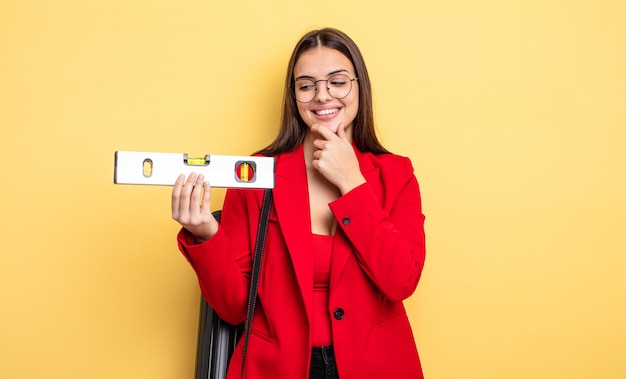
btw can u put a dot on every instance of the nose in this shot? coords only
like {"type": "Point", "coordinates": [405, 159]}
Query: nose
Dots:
{"type": "Point", "coordinates": [321, 91]}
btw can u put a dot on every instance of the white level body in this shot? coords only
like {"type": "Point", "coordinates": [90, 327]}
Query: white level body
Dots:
{"type": "Point", "coordinates": [226, 171]}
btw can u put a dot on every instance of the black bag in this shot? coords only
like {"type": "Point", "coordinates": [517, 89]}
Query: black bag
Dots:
{"type": "Point", "coordinates": [217, 338]}
{"type": "Point", "coordinates": [216, 342]}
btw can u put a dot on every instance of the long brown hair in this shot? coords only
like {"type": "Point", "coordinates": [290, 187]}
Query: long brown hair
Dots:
{"type": "Point", "coordinates": [293, 128]}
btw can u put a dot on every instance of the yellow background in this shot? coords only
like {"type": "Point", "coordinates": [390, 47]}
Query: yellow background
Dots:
{"type": "Point", "coordinates": [513, 112]}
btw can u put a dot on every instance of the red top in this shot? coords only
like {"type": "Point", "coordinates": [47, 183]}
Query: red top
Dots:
{"type": "Point", "coordinates": [321, 334]}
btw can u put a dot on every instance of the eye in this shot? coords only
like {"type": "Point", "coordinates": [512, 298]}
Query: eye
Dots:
{"type": "Point", "coordinates": [338, 80]}
{"type": "Point", "coordinates": [305, 85]}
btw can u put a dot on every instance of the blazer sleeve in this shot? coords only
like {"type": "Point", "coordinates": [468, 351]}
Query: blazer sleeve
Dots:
{"type": "Point", "coordinates": [223, 263]}
{"type": "Point", "coordinates": [387, 235]}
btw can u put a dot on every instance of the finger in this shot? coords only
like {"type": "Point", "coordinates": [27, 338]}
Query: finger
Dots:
{"type": "Point", "coordinates": [196, 196]}
{"type": "Point", "coordinates": [206, 200]}
{"type": "Point", "coordinates": [320, 144]}
{"type": "Point", "coordinates": [315, 164]}
{"type": "Point", "coordinates": [178, 187]}
{"type": "Point", "coordinates": [323, 131]}
{"type": "Point", "coordinates": [315, 128]}
{"type": "Point", "coordinates": [185, 197]}
{"type": "Point", "coordinates": [341, 132]}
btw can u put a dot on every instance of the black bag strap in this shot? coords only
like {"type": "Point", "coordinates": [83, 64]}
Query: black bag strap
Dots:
{"type": "Point", "coordinates": [256, 269]}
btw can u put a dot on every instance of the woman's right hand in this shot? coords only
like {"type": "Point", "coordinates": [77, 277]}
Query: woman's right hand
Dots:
{"type": "Point", "coordinates": [191, 206]}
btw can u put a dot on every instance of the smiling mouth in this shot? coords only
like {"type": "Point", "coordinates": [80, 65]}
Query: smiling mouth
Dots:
{"type": "Point", "coordinates": [325, 112]}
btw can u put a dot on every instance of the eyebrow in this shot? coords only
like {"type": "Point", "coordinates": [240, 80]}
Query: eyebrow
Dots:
{"type": "Point", "coordinates": [329, 74]}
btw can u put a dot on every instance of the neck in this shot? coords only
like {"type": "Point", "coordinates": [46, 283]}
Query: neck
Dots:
{"type": "Point", "coordinates": [308, 147]}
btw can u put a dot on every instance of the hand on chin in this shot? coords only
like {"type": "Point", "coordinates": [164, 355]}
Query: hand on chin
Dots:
{"type": "Point", "coordinates": [331, 124]}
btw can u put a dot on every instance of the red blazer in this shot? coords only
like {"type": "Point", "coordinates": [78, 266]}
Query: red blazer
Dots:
{"type": "Point", "coordinates": [377, 258]}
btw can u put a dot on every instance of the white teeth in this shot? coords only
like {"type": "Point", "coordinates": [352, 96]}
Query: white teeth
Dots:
{"type": "Point", "coordinates": [326, 111]}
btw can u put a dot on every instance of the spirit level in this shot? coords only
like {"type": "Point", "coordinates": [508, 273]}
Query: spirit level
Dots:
{"type": "Point", "coordinates": [229, 171]}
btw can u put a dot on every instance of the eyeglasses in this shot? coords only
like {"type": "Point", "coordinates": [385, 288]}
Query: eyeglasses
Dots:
{"type": "Point", "coordinates": [338, 86]}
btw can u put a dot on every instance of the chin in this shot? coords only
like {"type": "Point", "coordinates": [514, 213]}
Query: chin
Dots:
{"type": "Point", "coordinates": [333, 128]}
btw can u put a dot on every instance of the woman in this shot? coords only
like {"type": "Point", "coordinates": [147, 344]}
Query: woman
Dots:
{"type": "Point", "coordinates": [345, 241]}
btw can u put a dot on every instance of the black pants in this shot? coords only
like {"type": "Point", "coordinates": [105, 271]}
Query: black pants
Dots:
{"type": "Point", "coordinates": [323, 364]}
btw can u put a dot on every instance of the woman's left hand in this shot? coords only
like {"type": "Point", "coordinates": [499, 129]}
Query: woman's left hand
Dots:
{"type": "Point", "coordinates": [335, 159]}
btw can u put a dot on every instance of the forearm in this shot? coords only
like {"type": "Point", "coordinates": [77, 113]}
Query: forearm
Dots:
{"type": "Point", "coordinates": [388, 243]}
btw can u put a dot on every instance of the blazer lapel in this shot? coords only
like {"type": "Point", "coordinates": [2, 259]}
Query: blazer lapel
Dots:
{"type": "Point", "coordinates": [291, 199]}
